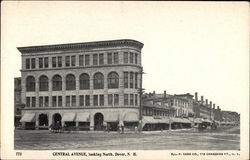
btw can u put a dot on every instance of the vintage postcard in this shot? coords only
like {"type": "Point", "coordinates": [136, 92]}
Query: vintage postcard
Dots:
{"type": "Point", "coordinates": [124, 80]}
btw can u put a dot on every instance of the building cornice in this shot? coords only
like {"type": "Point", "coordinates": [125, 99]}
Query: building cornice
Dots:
{"type": "Point", "coordinates": [81, 46]}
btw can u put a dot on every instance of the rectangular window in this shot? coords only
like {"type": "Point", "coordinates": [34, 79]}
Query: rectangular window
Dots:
{"type": "Point", "coordinates": [116, 58]}
{"type": "Point", "coordinates": [27, 63]}
{"type": "Point", "coordinates": [46, 103]}
{"type": "Point", "coordinates": [46, 62]}
{"type": "Point", "coordinates": [81, 100]}
{"type": "Point", "coordinates": [27, 101]}
{"type": "Point", "coordinates": [101, 100]}
{"type": "Point", "coordinates": [33, 102]}
{"type": "Point", "coordinates": [136, 99]}
{"type": "Point", "coordinates": [40, 62]}
{"type": "Point", "coordinates": [110, 99]}
{"type": "Point", "coordinates": [53, 61]}
{"type": "Point", "coordinates": [59, 61]}
{"type": "Point", "coordinates": [95, 100]}
{"type": "Point", "coordinates": [109, 58]}
{"type": "Point", "coordinates": [67, 61]}
{"type": "Point", "coordinates": [131, 57]}
{"type": "Point", "coordinates": [59, 101]}
{"type": "Point", "coordinates": [87, 100]}
{"type": "Point", "coordinates": [67, 100]}
{"type": "Point", "coordinates": [125, 57]}
{"type": "Point", "coordinates": [131, 99]}
{"type": "Point", "coordinates": [136, 58]}
{"type": "Point", "coordinates": [136, 84]}
{"type": "Point", "coordinates": [54, 101]}
{"type": "Point", "coordinates": [86, 60]}
{"type": "Point", "coordinates": [125, 79]}
{"type": "Point", "coordinates": [131, 80]}
{"type": "Point", "coordinates": [33, 63]}
{"type": "Point", "coordinates": [41, 101]}
{"type": "Point", "coordinates": [73, 60]}
{"type": "Point", "coordinates": [116, 99]}
{"type": "Point", "coordinates": [73, 100]}
{"type": "Point", "coordinates": [101, 59]}
{"type": "Point", "coordinates": [125, 99]}
{"type": "Point", "coordinates": [95, 59]}
{"type": "Point", "coordinates": [80, 60]}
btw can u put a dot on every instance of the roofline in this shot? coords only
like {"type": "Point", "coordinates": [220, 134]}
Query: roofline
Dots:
{"type": "Point", "coordinates": [83, 45]}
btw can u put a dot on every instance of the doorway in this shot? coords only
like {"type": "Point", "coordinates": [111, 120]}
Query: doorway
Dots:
{"type": "Point", "coordinates": [98, 121]}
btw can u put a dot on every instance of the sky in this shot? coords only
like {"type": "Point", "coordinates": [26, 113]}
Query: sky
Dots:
{"type": "Point", "coordinates": [188, 46]}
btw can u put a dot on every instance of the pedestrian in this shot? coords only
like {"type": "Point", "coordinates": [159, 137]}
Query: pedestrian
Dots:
{"type": "Point", "coordinates": [136, 129]}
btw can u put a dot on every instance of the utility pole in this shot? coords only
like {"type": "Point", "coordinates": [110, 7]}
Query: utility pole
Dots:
{"type": "Point", "coordinates": [140, 91]}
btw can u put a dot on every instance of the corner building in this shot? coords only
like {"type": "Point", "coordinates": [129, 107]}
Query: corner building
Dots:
{"type": "Point", "coordinates": [87, 85]}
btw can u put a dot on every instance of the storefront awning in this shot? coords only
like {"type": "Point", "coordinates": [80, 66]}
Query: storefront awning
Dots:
{"type": "Point", "coordinates": [180, 120]}
{"type": "Point", "coordinates": [68, 117]}
{"type": "Point", "coordinates": [28, 117]}
{"type": "Point", "coordinates": [131, 117]}
{"type": "Point", "coordinates": [197, 120]}
{"type": "Point", "coordinates": [206, 120]}
{"type": "Point", "coordinates": [82, 117]}
{"type": "Point", "coordinates": [112, 117]}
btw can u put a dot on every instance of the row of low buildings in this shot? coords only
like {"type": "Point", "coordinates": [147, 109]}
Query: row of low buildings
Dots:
{"type": "Point", "coordinates": [95, 84]}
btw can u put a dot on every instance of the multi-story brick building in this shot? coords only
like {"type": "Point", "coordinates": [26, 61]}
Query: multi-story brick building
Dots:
{"type": "Point", "coordinates": [17, 101]}
{"type": "Point", "coordinates": [81, 84]}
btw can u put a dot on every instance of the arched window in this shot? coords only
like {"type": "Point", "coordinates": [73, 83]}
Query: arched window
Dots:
{"type": "Point", "coordinates": [70, 82]}
{"type": "Point", "coordinates": [30, 84]}
{"type": "Point", "coordinates": [57, 83]}
{"type": "Point", "coordinates": [98, 81]}
{"type": "Point", "coordinates": [43, 83]}
{"type": "Point", "coordinates": [84, 81]}
{"type": "Point", "coordinates": [113, 80]}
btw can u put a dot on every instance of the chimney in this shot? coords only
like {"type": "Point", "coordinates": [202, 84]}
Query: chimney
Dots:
{"type": "Point", "coordinates": [218, 107]}
{"type": "Point", "coordinates": [210, 104]}
{"type": "Point", "coordinates": [165, 94]}
{"type": "Point", "coordinates": [202, 99]}
{"type": "Point", "coordinates": [153, 93]}
{"type": "Point", "coordinates": [206, 102]}
{"type": "Point", "coordinates": [196, 96]}
{"type": "Point", "coordinates": [214, 106]}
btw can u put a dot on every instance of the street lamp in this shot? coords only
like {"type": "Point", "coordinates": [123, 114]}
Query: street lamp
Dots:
{"type": "Point", "coordinates": [140, 91]}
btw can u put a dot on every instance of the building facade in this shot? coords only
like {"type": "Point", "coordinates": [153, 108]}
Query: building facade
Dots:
{"type": "Point", "coordinates": [17, 101]}
{"type": "Point", "coordinates": [86, 85]}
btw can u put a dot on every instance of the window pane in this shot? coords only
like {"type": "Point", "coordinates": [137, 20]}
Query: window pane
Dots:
{"type": "Point", "coordinates": [46, 103]}
{"type": "Point", "coordinates": [46, 62]}
{"type": "Point", "coordinates": [136, 58]}
{"type": "Point", "coordinates": [81, 102]}
{"type": "Point", "coordinates": [136, 74]}
{"type": "Point", "coordinates": [80, 60]}
{"type": "Point", "coordinates": [27, 101]}
{"type": "Point", "coordinates": [30, 84]}
{"type": "Point", "coordinates": [109, 58]}
{"type": "Point", "coordinates": [54, 101]}
{"type": "Point", "coordinates": [33, 102]}
{"type": "Point", "coordinates": [59, 101]}
{"type": "Point", "coordinates": [98, 81]}
{"type": "Point", "coordinates": [125, 57]}
{"type": "Point", "coordinates": [59, 61]}
{"type": "Point", "coordinates": [57, 83]}
{"type": "Point", "coordinates": [125, 99]}
{"type": "Point", "coordinates": [136, 99]}
{"type": "Point", "coordinates": [84, 81]}
{"type": "Point", "coordinates": [110, 99]}
{"type": "Point", "coordinates": [40, 62]}
{"type": "Point", "coordinates": [125, 79]}
{"type": "Point", "coordinates": [86, 60]}
{"type": "Point", "coordinates": [33, 63]}
{"type": "Point", "coordinates": [67, 100]}
{"type": "Point", "coordinates": [95, 100]}
{"type": "Point", "coordinates": [101, 100]}
{"type": "Point", "coordinates": [87, 100]}
{"type": "Point", "coordinates": [101, 59]}
{"type": "Point", "coordinates": [131, 57]}
{"type": "Point", "coordinates": [116, 58]}
{"type": "Point", "coordinates": [53, 61]}
{"type": "Point", "coordinates": [73, 60]}
{"type": "Point", "coordinates": [131, 99]}
{"type": "Point", "coordinates": [70, 82]}
{"type": "Point", "coordinates": [113, 80]}
{"type": "Point", "coordinates": [40, 101]}
{"type": "Point", "coordinates": [73, 100]}
{"type": "Point", "coordinates": [95, 59]}
{"type": "Point", "coordinates": [131, 80]}
{"type": "Point", "coordinates": [67, 61]}
{"type": "Point", "coordinates": [27, 63]}
{"type": "Point", "coordinates": [116, 99]}
{"type": "Point", "coordinates": [43, 83]}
